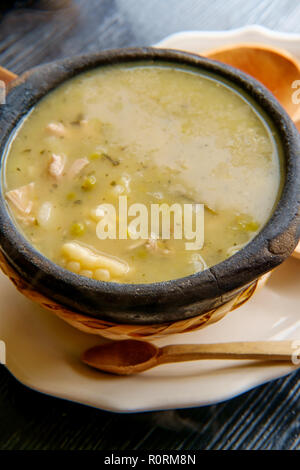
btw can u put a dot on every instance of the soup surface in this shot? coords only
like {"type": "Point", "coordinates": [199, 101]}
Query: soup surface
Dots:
{"type": "Point", "coordinates": [155, 134]}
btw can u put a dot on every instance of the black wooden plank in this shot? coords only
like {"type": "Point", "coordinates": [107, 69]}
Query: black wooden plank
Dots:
{"type": "Point", "coordinates": [30, 420]}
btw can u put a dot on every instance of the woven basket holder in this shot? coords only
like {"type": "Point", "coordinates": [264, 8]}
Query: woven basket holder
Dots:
{"type": "Point", "coordinates": [124, 331]}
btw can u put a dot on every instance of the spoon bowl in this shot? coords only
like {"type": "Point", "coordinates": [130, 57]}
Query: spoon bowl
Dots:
{"type": "Point", "coordinates": [122, 357]}
{"type": "Point", "coordinates": [296, 253]}
{"type": "Point", "coordinates": [275, 68]}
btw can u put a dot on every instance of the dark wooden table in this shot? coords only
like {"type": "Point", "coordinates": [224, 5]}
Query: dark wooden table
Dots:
{"type": "Point", "coordinates": [265, 418]}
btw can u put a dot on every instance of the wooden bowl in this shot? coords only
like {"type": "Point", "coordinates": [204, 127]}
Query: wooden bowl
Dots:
{"type": "Point", "coordinates": [142, 310]}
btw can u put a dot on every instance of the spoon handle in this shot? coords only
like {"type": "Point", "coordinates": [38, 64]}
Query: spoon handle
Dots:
{"type": "Point", "coordinates": [6, 75]}
{"type": "Point", "coordinates": [263, 350]}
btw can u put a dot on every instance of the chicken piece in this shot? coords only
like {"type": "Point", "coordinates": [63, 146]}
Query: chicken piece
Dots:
{"type": "Point", "coordinates": [22, 199]}
{"type": "Point", "coordinates": [198, 262]}
{"type": "Point", "coordinates": [57, 129]}
{"type": "Point", "coordinates": [156, 246]}
{"type": "Point", "coordinates": [57, 165]}
{"type": "Point", "coordinates": [152, 244]}
{"type": "Point", "coordinates": [77, 167]}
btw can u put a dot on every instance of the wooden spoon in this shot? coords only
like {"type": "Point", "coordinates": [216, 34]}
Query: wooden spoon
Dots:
{"type": "Point", "coordinates": [296, 253]}
{"type": "Point", "coordinates": [275, 68]}
{"type": "Point", "coordinates": [6, 76]}
{"type": "Point", "coordinates": [132, 356]}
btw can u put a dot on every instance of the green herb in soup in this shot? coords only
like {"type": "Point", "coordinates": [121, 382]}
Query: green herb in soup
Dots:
{"type": "Point", "coordinates": [156, 134]}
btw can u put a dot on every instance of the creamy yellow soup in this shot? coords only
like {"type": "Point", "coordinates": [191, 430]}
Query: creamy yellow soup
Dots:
{"type": "Point", "coordinates": [151, 134]}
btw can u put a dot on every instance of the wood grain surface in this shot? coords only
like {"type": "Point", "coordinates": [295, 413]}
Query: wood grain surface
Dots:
{"type": "Point", "coordinates": [34, 32]}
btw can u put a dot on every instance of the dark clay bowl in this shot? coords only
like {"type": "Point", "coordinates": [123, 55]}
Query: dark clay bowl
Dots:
{"type": "Point", "coordinates": [163, 301]}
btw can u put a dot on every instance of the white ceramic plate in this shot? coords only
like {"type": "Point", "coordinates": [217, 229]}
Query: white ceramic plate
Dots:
{"type": "Point", "coordinates": [43, 352]}
{"type": "Point", "coordinates": [199, 41]}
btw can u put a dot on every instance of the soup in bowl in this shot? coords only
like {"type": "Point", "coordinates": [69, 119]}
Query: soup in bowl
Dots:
{"type": "Point", "coordinates": [145, 186]}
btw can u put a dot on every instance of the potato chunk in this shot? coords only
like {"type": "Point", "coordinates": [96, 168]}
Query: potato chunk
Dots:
{"type": "Point", "coordinates": [44, 214]}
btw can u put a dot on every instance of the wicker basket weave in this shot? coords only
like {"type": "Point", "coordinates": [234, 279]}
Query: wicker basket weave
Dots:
{"type": "Point", "coordinates": [124, 331]}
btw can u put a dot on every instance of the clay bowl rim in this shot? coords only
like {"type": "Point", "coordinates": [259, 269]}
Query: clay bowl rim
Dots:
{"type": "Point", "coordinates": [270, 247]}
